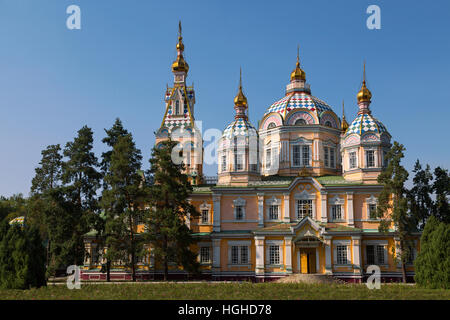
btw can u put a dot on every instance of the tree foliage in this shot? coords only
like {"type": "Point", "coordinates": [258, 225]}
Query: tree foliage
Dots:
{"type": "Point", "coordinates": [432, 265]}
{"type": "Point", "coordinates": [169, 209]}
{"type": "Point", "coordinates": [22, 257]}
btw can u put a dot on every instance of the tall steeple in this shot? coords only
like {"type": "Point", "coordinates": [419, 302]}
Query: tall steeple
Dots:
{"type": "Point", "coordinates": [240, 101]}
{"type": "Point", "coordinates": [180, 67]}
{"type": "Point", "coordinates": [344, 123]}
{"type": "Point", "coordinates": [364, 96]}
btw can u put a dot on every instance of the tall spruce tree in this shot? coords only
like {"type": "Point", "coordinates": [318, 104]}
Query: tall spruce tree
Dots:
{"type": "Point", "coordinates": [112, 135]}
{"type": "Point", "coordinates": [48, 174]}
{"type": "Point", "coordinates": [122, 203]}
{"type": "Point", "coordinates": [419, 196]}
{"type": "Point", "coordinates": [81, 182]}
{"type": "Point", "coordinates": [169, 208]}
{"type": "Point", "coordinates": [392, 206]}
{"type": "Point", "coordinates": [441, 188]}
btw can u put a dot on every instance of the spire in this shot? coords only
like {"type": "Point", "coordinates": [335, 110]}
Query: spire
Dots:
{"type": "Point", "coordinates": [364, 95]}
{"type": "Point", "coordinates": [180, 64]}
{"type": "Point", "coordinates": [240, 101]}
{"type": "Point", "coordinates": [344, 123]}
{"type": "Point", "coordinates": [298, 73]}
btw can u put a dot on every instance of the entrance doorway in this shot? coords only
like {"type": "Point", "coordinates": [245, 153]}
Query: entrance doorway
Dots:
{"type": "Point", "coordinates": [307, 260]}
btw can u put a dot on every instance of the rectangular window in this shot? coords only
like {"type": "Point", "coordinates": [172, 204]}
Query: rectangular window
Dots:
{"type": "Point", "coordinates": [244, 254]}
{"type": "Point", "coordinates": [385, 159]}
{"type": "Point", "coordinates": [370, 158]}
{"type": "Point", "coordinates": [239, 162]}
{"type": "Point", "coordinates": [411, 255]}
{"type": "Point", "coordinates": [274, 254]}
{"type": "Point", "coordinates": [253, 167]}
{"type": "Point", "coordinates": [305, 156]}
{"type": "Point", "coordinates": [296, 156]}
{"type": "Point", "coordinates": [326, 159]}
{"type": "Point", "coordinates": [336, 212]}
{"type": "Point", "coordinates": [372, 208]}
{"type": "Point", "coordinates": [341, 251]}
{"type": "Point", "coordinates": [239, 213]}
{"type": "Point", "coordinates": [332, 158]}
{"type": "Point", "coordinates": [273, 212]}
{"type": "Point", "coordinates": [95, 255]}
{"type": "Point", "coordinates": [239, 255]}
{"type": "Point", "coordinates": [205, 216]}
{"type": "Point", "coordinates": [304, 208]}
{"type": "Point", "coordinates": [268, 158]}
{"type": "Point", "coordinates": [375, 254]}
{"type": "Point", "coordinates": [370, 254]}
{"type": "Point", "coordinates": [235, 255]}
{"type": "Point", "coordinates": [205, 256]}
{"type": "Point", "coordinates": [224, 163]}
{"type": "Point", "coordinates": [352, 160]}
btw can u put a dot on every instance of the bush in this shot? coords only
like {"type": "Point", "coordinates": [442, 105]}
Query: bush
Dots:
{"type": "Point", "coordinates": [432, 265]}
{"type": "Point", "coordinates": [22, 257]}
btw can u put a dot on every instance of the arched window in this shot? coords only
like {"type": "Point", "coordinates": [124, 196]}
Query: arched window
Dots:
{"type": "Point", "coordinates": [177, 107]}
{"type": "Point", "coordinates": [328, 124]}
{"type": "Point", "coordinates": [271, 125]}
{"type": "Point", "coordinates": [300, 122]}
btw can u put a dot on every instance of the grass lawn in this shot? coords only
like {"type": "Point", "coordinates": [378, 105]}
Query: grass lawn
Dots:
{"type": "Point", "coordinates": [237, 291]}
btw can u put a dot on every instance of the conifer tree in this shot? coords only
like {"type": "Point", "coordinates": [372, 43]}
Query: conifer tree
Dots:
{"type": "Point", "coordinates": [48, 174]}
{"type": "Point", "coordinates": [441, 188]}
{"type": "Point", "coordinates": [169, 208]}
{"type": "Point", "coordinates": [419, 196]}
{"type": "Point", "coordinates": [392, 206]}
{"type": "Point", "coordinates": [121, 202]}
{"type": "Point", "coordinates": [432, 265]}
{"type": "Point", "coordinates": [22, 257]}
{"type": "Point", "coordinates": [82, 180]}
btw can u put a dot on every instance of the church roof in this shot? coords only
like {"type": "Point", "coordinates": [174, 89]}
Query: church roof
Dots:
{"type": "Point", "coordinates": [365, 123]}
{"type": "Point", "coordinates": [297, 100]}
{"type": "Point", "coordinates": [239, 127]}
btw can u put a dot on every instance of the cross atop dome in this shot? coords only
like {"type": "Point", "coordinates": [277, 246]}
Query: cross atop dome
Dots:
{"type": "Point", "coordinates": [298, 78]}
{"type": "Point", "coordinates": [180, 67]}
{"type": "Point", "coordinates": [364, 96]}
{"type": "Point", "coordinates": [240, 101]}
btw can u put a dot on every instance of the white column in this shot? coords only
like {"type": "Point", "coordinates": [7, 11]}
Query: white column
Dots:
{"type": "Point", "coordinates": [351, 220]}
{"type": "Point", "coordinates": [398, 252]}
{"type": "Point", "coordinates": [288, 246]}
{"type": "Point", "coordinates": [216, 216]}
{"type": "Point", "coordinates": [260, 209]}
{"type": "Point", "coordinates": [327, 244]}
{"type": "Point", "coordinates": [356, 242]}
{"type": "Point", "coordinates": [324, 217]}
{"type": "Point", "coordinates": [259, 244]}
{"type": "Point", "coordinates": [216, 254]}
{"type": "Point", "coordinates": [287, 216]}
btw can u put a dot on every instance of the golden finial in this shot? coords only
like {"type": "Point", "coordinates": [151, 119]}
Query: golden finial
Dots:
{"type": "Point", "coordinates": [298, 73]}
{"type": "Point", "coordinates": [240, 99]}
{"type": "Point", "coordinates": [180, 64]}
{"type": "Point", "coordinates": [364, 95]}
{"type": "Point", "coordinates": [344, 124]}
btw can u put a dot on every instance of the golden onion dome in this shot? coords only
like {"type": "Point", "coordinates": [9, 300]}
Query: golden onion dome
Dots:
{"type": "Point", "coordinates": [364, 95]}
{"type": "Point", "coordinates": [180, 64]}
{"type": "Point", "coordinates": [240, 99]}
{"type": "Point", "coordinates": [298, 73]}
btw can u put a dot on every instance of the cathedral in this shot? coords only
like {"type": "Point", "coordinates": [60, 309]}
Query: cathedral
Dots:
{"type": "Point", "coordinates": [295, 194]}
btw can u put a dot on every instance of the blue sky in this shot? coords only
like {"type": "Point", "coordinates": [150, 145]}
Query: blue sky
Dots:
{"type": "Point", "coordinates": [54, 80]}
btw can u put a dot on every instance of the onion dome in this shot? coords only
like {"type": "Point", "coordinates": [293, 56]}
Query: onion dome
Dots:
{"type": "Point", "coordinates": [298, 100]}
{"type": "Point", "coordinates": [180, 65]}
{"type": "Point", "coordinates": [364, 95]}
{"type": "Point", "coordinates": [298, 73]}
{"type": "Point", "coordinates": [365, 123]}
{"type": "Point", "coordinates": [240, 126]}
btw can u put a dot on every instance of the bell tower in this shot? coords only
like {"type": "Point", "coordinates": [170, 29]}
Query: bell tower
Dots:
{"type": "Point", "coordinates": [178, 121]}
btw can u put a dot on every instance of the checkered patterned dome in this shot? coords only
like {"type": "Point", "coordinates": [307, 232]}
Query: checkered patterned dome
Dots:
{"type": "Point", "coordinates": [365, 123]}
{"type": "Point", "coordinates": [239, 127]}
{"type": "Point", "coordinates": [298, 100]}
